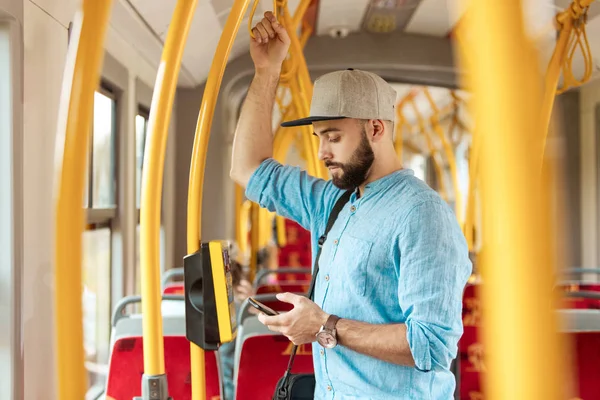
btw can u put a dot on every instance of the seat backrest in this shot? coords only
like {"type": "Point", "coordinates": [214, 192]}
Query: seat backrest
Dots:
{"type": "Point", "coordinates": [283, 274]}
{"type": "Point", "coordinates": [126, 365]}
{"type": "Point", "coordinates": [582, 330]}
{"type": "Point", "coordinates": [262, 357]}
{"type": "Point", "coordinates": [174, 288]}
{"type": "Point", "coordinates": [281, 287]}
{"type": "Point", "coordinates": [585, 300]}
{"type": "Point", "coordinates": [470, 347]}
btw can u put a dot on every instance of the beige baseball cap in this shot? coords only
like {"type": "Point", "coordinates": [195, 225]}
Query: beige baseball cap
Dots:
{"type": "Point", "coordinates": [350, 93]}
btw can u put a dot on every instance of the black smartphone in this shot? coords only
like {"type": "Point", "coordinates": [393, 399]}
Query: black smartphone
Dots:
{"type": "Point", "coordinates": [261, 307]}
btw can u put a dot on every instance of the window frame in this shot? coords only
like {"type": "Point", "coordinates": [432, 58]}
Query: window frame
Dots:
{"type": "Point", "coordinates": [143, 111]}
{"type": "Point", "coordinates": [101, 215]}
{"type": "Point", "coordinates": [106, 217]}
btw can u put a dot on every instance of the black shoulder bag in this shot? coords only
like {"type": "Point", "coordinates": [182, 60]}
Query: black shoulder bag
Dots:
{"type": "Point", "coordinates": [302, 386]}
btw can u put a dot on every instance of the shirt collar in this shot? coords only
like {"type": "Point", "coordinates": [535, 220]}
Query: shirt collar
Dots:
{"type": "Point", "coordinates": [385, 181]}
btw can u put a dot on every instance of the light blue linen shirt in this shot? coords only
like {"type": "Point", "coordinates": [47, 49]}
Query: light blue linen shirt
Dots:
{"type": "Point", "coordinates": [394, 255]}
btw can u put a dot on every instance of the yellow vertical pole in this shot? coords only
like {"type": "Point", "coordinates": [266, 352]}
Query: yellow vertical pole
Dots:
{"type": "Point", "coordinates": [520, 330]}
{"type": "Point", "coordinates": [198, 164]}
{"type": "Point", "coordinates": [473, 178]}
{"type": "Point", "coordinates": [449, 155]}
{"type": "Point", "coordinates": [152, 177]}
{"type": "Point", "coordinates": [239, 200]}
{"type": "Point", "coordinates": [434, 153]}
{"type": "Point", "coordinates": [553, 75]}
{"type": "Point", "coordinates": [399, 142]}
{"type": "Point", "coordinates": [254, 238]}
{"type": "Point", "coordinates": [81, 77]}
{"type": "Point", "coordinates": [242, 227]}
{"type": "Point", "coordinates": [304, 88]}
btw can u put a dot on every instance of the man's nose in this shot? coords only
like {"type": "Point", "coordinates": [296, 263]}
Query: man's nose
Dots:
{"type": "Point", "coordinates": [323, 153]}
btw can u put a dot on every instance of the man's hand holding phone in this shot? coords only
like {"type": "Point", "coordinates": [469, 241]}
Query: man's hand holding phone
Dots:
{"type": "Point", "coordinates": [301, 324]}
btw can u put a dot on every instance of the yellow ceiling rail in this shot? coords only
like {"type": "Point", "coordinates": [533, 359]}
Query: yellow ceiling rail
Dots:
{"type": "Point", "coordinates": [524, 354]}
{"type": "Point", "coordinates": [577, 13]}
{"type": "Point", "coordinates": [299, 14]}
{"type": "Point", "coordinates": [433, 151]}
{"type": "Point", "coordinates": [253, 11]}
{"type": "Point", "coordinates": [304, 92]}
{"type": "Point", "coordinates": [198, 163]}
{"type": "Point", "coordinates": [571, 23]}
{"type": "Point", "coordinates": [81, 78]}
{"type": "Point", "coordinates": [449, 155]}
{"type": "Point", "coordinates": [152, 177]}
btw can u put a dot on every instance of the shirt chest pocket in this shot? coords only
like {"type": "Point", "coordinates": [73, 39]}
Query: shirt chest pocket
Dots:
{"type": "Point", "coordinates": [354, 254]}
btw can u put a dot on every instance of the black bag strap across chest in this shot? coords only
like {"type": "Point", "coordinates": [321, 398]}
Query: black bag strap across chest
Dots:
{"type": "Point", "coordinates": [337, 208]}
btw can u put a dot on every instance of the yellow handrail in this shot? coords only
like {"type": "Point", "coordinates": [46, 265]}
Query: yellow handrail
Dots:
{"type": "Point", "coordinates": [304, 92]}
{"type": "Point", "coordinates": [434, 153]}
{"type": "Point", "coordinates": [198, 163]}
{"type": "Point", "coordinates": [81, 77]}
{"type": "Point", "coordinates": [577, 13]}
{"type": "Point", "coordinates": [572, 25]}
{"type": "Point", "coordinates": [152, 177]}
{"type": "Point", "coordinates": [253, 10]}
{"type": "Point", "coordinates": [523, 350]}
{"type": "Point", "coordinates": [449, 155]}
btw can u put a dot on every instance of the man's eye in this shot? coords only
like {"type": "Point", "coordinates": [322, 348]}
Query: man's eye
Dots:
{"type": "Point", "coordinates": [334, 139]}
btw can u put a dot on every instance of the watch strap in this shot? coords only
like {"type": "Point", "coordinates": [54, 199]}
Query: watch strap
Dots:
{"type": "Point", "coordinates": [331, 322]}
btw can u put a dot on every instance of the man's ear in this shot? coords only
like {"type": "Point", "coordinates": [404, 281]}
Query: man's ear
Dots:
{"type": "Point", "coordinates": [378, 129]}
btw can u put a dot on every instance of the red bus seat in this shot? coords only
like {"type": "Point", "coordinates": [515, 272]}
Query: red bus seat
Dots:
{"type": "Point", "coordinates": [126, 364]}
{"type": "Point", "coordinates": [174, 288]}
{"type": "Point", "coordinates": [261, 358]}
{"type": "Point", "coordinates": [582, 328]}
{"type": "Point", "coordinates": [470, 349]}
{"type": "Point", "coordinates": [282, 287]}
{"type": "Point", "coordinates": [583, 302]}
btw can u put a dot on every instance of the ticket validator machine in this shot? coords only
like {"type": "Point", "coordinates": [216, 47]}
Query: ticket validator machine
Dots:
{"type": "Point", "coordinates": [209, 310]}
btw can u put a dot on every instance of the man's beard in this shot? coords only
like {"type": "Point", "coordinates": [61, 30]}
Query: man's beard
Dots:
{"type": "Point", "coordinates": [355, 171]}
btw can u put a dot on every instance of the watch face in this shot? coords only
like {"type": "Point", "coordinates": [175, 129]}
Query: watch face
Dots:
{"type": "Point", "coordinates": [326, 340]}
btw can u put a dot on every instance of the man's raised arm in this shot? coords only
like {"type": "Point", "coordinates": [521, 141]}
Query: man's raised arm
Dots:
{"type": "Point", "coordinates": [253, 141]}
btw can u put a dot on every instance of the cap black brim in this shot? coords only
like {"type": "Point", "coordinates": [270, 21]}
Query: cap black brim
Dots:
{"type": "Point", "coordinates": [307, 121]}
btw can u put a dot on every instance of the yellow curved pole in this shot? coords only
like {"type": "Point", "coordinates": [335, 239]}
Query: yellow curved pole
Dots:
{"type": "Point", "coordinates": [198, 164]}
{"type": "Point", "coordinates": [553, 75]}
{"type": "Point", "coordinates": [434, 153]}
{"type": "Point", "coordinates": [81, 77]}
{"type": "Point", "coordinates": [299, 13]}
{"type": "Point", "coordinates": [449, 155]}
{"type": "Point", "coordinates": [152, 177]}
{"type": "Point", "coordinates": [303, 91]}
{"type": "Point", "coordinates": [523, 351]}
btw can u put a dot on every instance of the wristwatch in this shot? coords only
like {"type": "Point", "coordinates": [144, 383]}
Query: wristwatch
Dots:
{"type": "Point", "coordinates": [327, 335]}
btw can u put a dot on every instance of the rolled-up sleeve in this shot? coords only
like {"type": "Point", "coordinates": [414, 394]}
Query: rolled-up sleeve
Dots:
{"type": "Point", "coordinates": [287, 191]}
{"type": "Point", "coordinates": [434, 269]}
